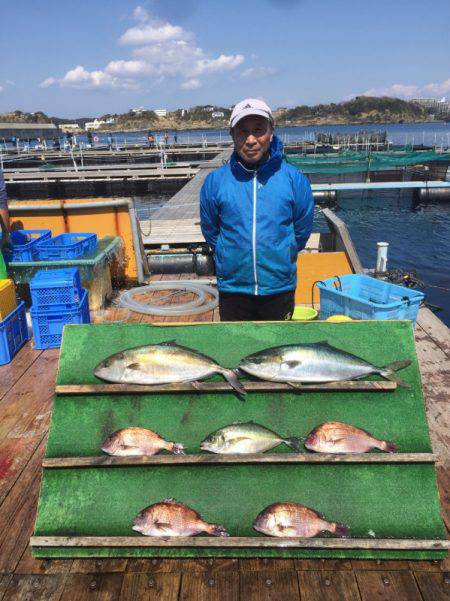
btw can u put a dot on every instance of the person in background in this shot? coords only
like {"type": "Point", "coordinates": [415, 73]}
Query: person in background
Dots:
{"type": "Point", "coordinates": [56, 144]}
{"type": "Point", "coordinates": [150, 139]}
{"type": "Point", "coordinates": [166, 138]}
{"type": "Point", "coordinates": [69, 136]}
{"type": "Point", "coordinates": [89, 137]}
{"type": "Point", "coordinates": [256, 213]}
{"type": "Point", "coordinates": [4, 214]}
{"type": "Point", "coordinates": [175, 138]}
{"type": "Point", "coordinates": [110, 141]}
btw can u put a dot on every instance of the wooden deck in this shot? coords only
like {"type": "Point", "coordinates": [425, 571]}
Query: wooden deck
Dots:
{"type": "Point", "coordinates": [26, 390]}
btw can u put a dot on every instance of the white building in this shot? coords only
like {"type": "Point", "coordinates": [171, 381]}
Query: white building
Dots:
{"type": "Point", "coordinates": [439, 106]}
{"type": "Point", "coordinates": [139, 110]}
{"type": "Point", "coordinates": [161, 112]}
{"type": "Point", "coordinates": [69, 126]}
{"type": "Point", "coordinates": [95, 124]}
{"type": "Point", "coordinates": [217, 114]}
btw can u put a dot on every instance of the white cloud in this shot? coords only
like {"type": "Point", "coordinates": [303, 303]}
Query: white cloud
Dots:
{"type": "Point", "coordinates": [10, 83]}
{"type": "Point", "coordinates": [159, 50]}
{"type": "Point", "coordinates": [1, 89]}
{"type": "Point", "coordinates": [152, 34]}
{"type": "Point", "coordinates": [191, 84]}
{"type": "Point", "coordinates": [141, 14]}
{"type": "Point", "coordinates": [48, 82]}
{"type": "Point", "coordinates": [258, 72]}
{"type": "Point", "coordinates": [407, 92]}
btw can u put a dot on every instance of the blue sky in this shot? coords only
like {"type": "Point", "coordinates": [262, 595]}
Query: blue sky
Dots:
{"type": "Point", "coordinates": [86, 58]}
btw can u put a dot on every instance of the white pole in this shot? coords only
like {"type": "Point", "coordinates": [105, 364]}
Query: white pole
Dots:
{"type": "Point", "coordinates": [382, 252]}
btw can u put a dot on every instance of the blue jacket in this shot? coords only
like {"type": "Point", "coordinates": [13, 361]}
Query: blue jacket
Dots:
{"type": "Point", "coordinates": [256, 222]}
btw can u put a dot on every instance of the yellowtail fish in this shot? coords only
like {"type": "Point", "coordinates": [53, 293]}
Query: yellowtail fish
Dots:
{"type": "Point", "coordinates": [245, 438]}
{"type": "Point", "coordinates": [162, 363]}
{"type": "Point", "coordinates": [172, 518]}
{"type": "Point", "coordinates": [313, 363]}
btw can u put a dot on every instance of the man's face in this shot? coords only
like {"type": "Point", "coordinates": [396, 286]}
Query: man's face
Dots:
{"type": "Point", "coordinates": [252, 137]}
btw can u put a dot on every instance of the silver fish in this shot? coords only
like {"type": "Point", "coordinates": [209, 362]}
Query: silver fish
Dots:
{"type": "Point", "coordinates": [162, 363]}
{"type": "Point", "coordinates": [315, 362]}
{"type": "Point", "coordinates": [245, 438]}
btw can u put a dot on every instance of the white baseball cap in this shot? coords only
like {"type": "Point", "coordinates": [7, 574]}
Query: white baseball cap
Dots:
{"type": "Point", "coordinates": [250, 106]}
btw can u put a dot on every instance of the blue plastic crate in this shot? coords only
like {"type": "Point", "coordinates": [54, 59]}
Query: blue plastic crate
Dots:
{"type": "Point", "coordinates": [364, 297]}
{"type": "Point", "coordinates": [13, 333]}
{"type": "Point", "coordinates": [24, 244]}
{"type": "Point", "coordinates": [66, 246]}
{"type": "Point", "coordinates": [56, 289]}
{"type": "Point", "coordinates": [48, 325]}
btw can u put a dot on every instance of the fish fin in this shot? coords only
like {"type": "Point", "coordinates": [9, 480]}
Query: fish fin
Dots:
{"type": "Point", "coordinates": [388, 372]}
{"type": "Point", "coordinates": [231, 377]}
{"type": "Point", "coordinates": [171, 500]}
{"type": "Point", "coordinates": [397, 365]}
{"type": "Point", "coordinates": [295, 385]}
{"type": "Point", "coordinates": [389, 447]}
{"type": "Point", "coordinates": [294, 442]}
{"type": "Point", "coordinates": [394, 378]}
{"type": "Point", "coordinates": [218, 530]}
{"type": "Point", "coordinates": [163, 526]}
{"type": "Point", "coordinates": [170, 343]}
{"type": "Point", "coordinates": [134, 366]}
{"type": "Point", "coordinates": [178, 449]}
{"type": "Point", "coordinates": [341, 529]}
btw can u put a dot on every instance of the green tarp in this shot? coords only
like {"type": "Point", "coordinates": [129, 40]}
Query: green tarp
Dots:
{"type": "Point", "coordinates": [381, 500]}
{"type": "Point", "coordinates": [350, 161]}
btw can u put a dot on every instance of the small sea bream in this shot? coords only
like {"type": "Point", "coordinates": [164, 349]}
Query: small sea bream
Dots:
{"type": "Point", "coordinates": [163, 363]}
{"type": "Point", "coordinates": [336, 437]}
{"type": "Point", "coordinates": [130, 442]}
{"type": "Point", "coordinates": [173, 518]}
{"type": "Point", "coordinates": [314, 363]}
{"type": "Point", "coordinates": [291, 520]}
{"type": "Point", "coordinates": [245, 438]}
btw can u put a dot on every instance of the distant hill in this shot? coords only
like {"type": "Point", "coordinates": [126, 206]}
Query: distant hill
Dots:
{"type": "Point", "coordinates": [360, 110]}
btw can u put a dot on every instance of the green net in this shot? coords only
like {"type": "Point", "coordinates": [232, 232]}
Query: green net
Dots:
{"type": "Point", "coordinates": [350, 161]}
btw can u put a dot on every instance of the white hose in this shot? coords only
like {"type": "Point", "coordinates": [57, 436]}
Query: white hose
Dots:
{"type": "Point", "coordinates": [199, 287]}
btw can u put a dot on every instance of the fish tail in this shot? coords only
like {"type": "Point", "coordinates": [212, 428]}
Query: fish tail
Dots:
{"type": "Point", "coordinates": [231, 377]}
{"type": "Point", "coordinates": [294, 442]}
{"type": "Point", "coordinates": [389, 447]}
{"type": "Point", "coordinates": [177, 448]}
{"type": "Point", "coordinates": [388, 372]}
{"type": "Point", "coordinates": [217, 530]}
{"type": "Point", "coordinates": [341, 529]}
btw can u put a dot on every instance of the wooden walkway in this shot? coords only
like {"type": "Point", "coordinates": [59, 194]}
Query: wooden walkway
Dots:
{"type": "Point", "coordinates": [26, 390]}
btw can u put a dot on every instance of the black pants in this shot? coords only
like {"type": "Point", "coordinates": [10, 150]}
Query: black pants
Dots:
{"type": "Point", "coordinates": [247, 307]}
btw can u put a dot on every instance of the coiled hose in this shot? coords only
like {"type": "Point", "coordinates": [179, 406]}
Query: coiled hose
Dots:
{"type": "Point", "coordinates": [200, 288]}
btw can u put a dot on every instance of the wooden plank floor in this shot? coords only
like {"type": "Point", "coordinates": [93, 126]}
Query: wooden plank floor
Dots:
{"type": "Point", "coordinates": [26, 388]}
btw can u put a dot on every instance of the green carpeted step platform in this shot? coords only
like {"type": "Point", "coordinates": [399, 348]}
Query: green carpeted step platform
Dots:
{"type": "Point", "coordinates": [374, 500]}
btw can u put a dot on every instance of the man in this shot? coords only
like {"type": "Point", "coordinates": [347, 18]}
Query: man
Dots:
{"type": "Point", "coordinates": [256, 214]}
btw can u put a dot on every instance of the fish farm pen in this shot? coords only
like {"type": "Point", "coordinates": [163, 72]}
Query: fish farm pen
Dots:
{"type": "Point", "coordinates": [86, 517]}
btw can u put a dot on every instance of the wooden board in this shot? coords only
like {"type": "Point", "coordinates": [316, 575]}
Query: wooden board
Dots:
{"type": "Point", "coordinates": [237, 542]}
{"type": "Point", "coordinates": [352, 386]}
{"type": "Point", "coordinates": [108, 461]}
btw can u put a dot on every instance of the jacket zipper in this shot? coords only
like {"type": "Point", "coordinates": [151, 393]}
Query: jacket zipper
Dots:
{"type": "Point", "coordinates": [255, 275]}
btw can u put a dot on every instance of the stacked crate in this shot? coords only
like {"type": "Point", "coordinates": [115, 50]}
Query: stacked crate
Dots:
{"type": "Point", "coordinates": [58, 299]}
{"type": "Point", "coordinates": [13, 322]}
